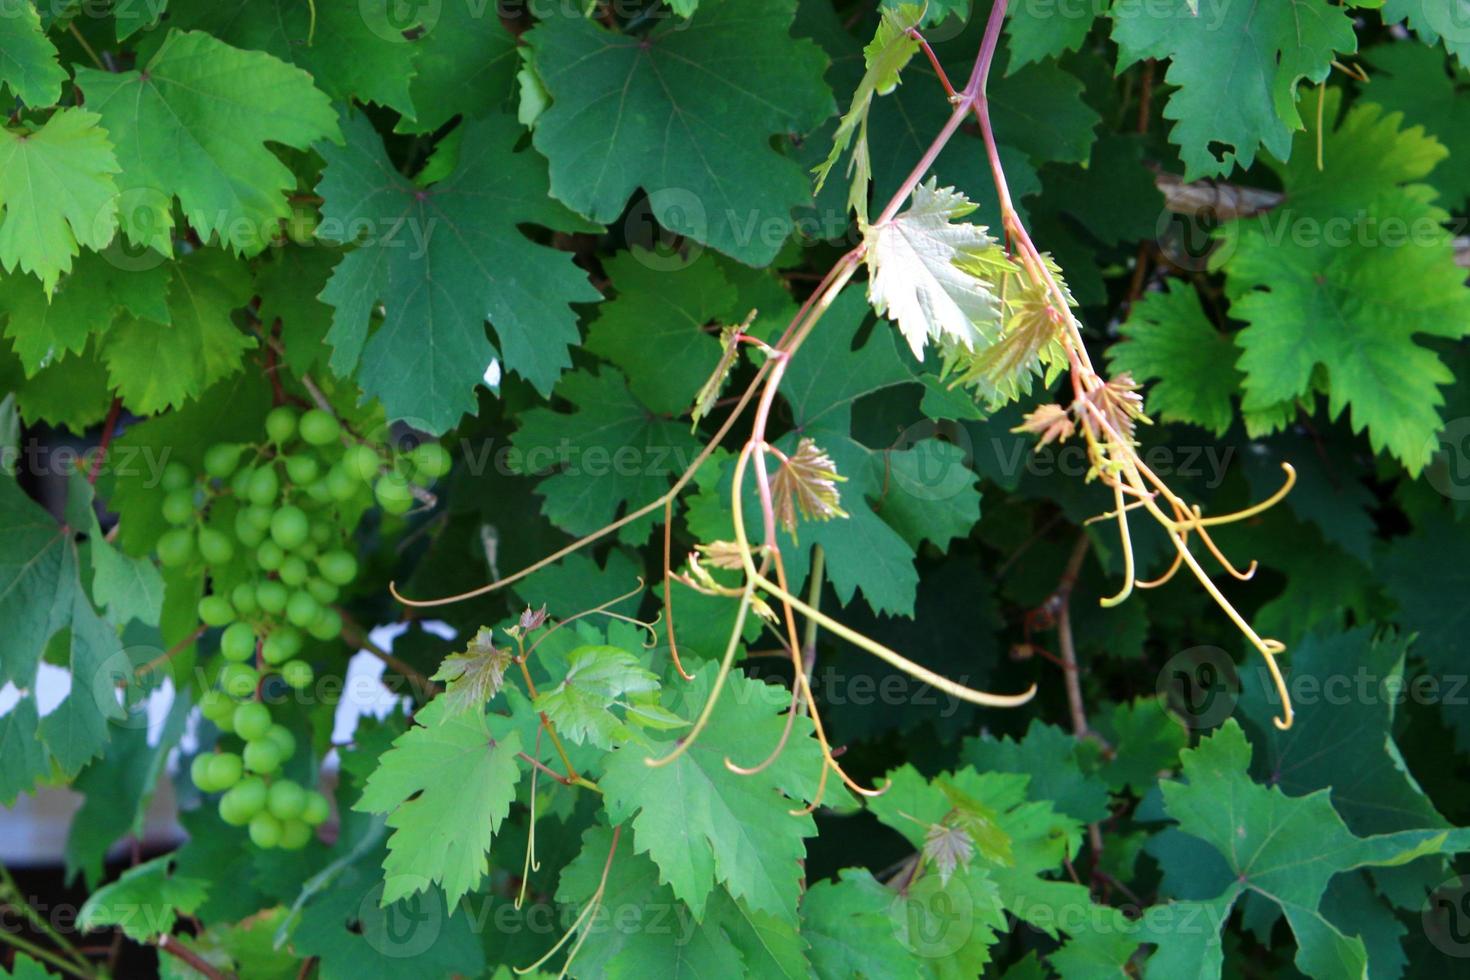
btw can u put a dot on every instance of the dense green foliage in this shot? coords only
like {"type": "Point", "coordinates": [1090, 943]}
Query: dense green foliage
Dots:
{"type": "Point", "coordinates": [785, 314]}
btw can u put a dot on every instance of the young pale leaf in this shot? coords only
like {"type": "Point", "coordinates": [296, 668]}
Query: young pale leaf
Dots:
{"type": "Point", "coordinates": [597, 678]}
{"type": "Point", "coordinates": [193, 123]}
{"type": "Point", "coordinates": [28, 64]}
{"type": "Point", "coordinates": [56, 192]}
{"type": "Point", "coordinates": [806, 483]}
{"type": "Point", "coordinates": [446, 785]}
{"type": "Point", "coordinates": [917, 281]}
{"type": "Point", "coordinates": [474, 675]}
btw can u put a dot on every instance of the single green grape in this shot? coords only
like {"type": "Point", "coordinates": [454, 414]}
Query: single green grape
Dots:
{"type": "Point", "coordinates": [320, 491]}
{"type": "Point", "coordinates": [264, 486]}
{"type": "Point", "coordinates": [393, 494]}
{"type": "Point", "coordinates": [237, 643]}
{"type": "Point", "coordinates": [341, 486]}
{"type": "Point", "coordinates": [294, 570]}
{"type": "Point", "coordinates": [301, 609]}
{"type": "Point", "coordinates": [259, 517]}
{"type": "Point", "coordinates": [361, 463]}
{"type": "Point", "coordinates": [175, 547]}
{"type": "Point", "coordinates": [295, 834]}
{"type": "Point", "coordinates": [215, 546]}
{"type": "Point", "coordinates": [238, 680]}
{"type": "Point", "coordinates": [242, 597]}
{"type": "Point", "coordinates": [221, 459]}
{"type": "Point", "coordinates": [280, 424]}
{"type": "Point", "coordinates": [178, 506]}
{"type": "Point", "coordinates": [176, 476]}
{"type": "Point", "coordinates": [302, 469]}
{"type": "Point", "coordinates": [321, 533]}
{"type": "Point", "coordinates": [225, 770]}
{"type": "Point", "coordinates": [317, 809]}
{"type": "Point", "coordinates": [319, 428]}
{"type": "Point", "coordinates": [338, 567]}
{"type": "Point", "coordinates": [323, 591]}
{"type": "Point", "coordinates": [283, 739]}
{"type": "Point", "coordinates": [252, 720]}
{"type": "Point", "coordinates": [200, 775]}
{"type": "Point", "coordinates": [240, 482]}
{"type": "Point", "coordinates": [217, 707]}
{"type": "Point", "coordinates": [245, 531]}
{"type": "Point", "coordinates": [283, 643]}
{"type": "Point", "coordinates": [262, 756]}
{"type": "Point", "coordinates": [265, 830]}
{"type": "Point", "coordinates": [286, 800]}
{"type": "Point", "coordinates": [272, 596]}
{"type": "Point", "coordinates": [243, 801]}
{"type": "Point", "coordinates": [215, 610]}
{"type": "Point", "coordinates": [430, 460]}
{"type": "Point", "coordinates": [327, 625]}
{"type": "Point", "coordinates": [297, 674]}
{"type": "Point", "coordinates": [289, 527]}
{"type": "Point", "coordinates": [269, 556]}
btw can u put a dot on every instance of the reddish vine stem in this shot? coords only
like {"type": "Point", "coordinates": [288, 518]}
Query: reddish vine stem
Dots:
{"type": "Point", "coordinates": [109, 428]}
{"type": "Point", "coordinates": [169, 654]}
{"type": "Point", "coordinates": [183, 953]}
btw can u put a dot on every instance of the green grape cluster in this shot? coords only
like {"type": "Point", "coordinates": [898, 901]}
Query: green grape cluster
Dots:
{"type": "Point", "coordinates": [271, 524]}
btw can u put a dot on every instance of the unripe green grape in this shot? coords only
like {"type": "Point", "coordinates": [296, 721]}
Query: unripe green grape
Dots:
{"type": "Point", "coordinates": [245, 531]}
{"type": "Point", "coordinates": [295, 834]}
{"type": "Point", "coordinates": [262, 756]}
{"type": "Point", "coordinates": [319, 428]}
{"type": "Point", "coordinates": [259, 517]}
{"type": "Point", "coordinates": [327, 626]}
{"type": "Point", "coordinates": [317, 809]}
{"type": "Point", "coordinates": [215, 610]}
{"type": "Point", "coordinates": [178, 506]}
{"type": "Point", "coordinates": [269, 556]}
{"type": "Point", "coordinates": [308, 550]}
{"type": "Point", "coordinates": [220, 460]}
{"type": "Point", "coordinates": [217, 707]}
{"type": "Point", "coordinates": [252, 720]}
{"type": "Point", "coordinates": [242, 597]}
{"type": "Point", "coordinates": [284, 741]}
{"type": "Point", "coordinates": [176, 476]}
{"type": "Point", "coordinates": [294, 570]}
{"type": "Point", "coordinates": [341, 485]}
{"type": "Point", "coordinates": [265, 830]}
{"type": "Point", "coordinates": [361, 463]}
{"type": "Point", "coordinates": [289, 527]}
{"type": "Point", "coordinates": [297, 674]}
{"type": "Point", "coordinates": [237, 643]}
{"type": "Point", "coordinates": [215, 546]}
{"type": "Point", "coordinates": [272, 596]}
{"type": "Point", "coordinates": [264, 485]}
{"type": "Point", "coordinates": [301, 609]}
{"type": "Point", "coordinates": [430, 460]}
{"type": "Point", "coordinates": [244, 800]}
{"type": "Point", "coordinates": [225, 770]}
{"type": "Point", "coordinates": [338, 567]}
{"type": "Point", "coordinates": [321, 533]}
{"type": "Point", "coordinates": [319, 491]}
{"type": "Point", "coordinates": [240, 482]}
{"type": "Point", "coordinates": [286, 800]}
{"type": "Point", "coordinates": [238, 680]}
{"type": "Point", "coordinates": [280, 424]}
{"type": "Point", "coordinates": [302, 469]}
{"type": "Point", "coordinates": [283, 643]}
{"type": "Point", "coordinates": [393, 494]}
{"type": "Point", "coordinates": [323, 591]}
{"type": "Point", "coordinates": [175, 547]}
{"type": "Point", "coordinates": [200, 775]}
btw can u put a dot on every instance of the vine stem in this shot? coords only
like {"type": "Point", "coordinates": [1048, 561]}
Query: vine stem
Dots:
{"type": "Point", "coordinates": [356, 636]}
{"type": "Point", "coordinates": [46, 956]}
{"type": "Point", "coordinates": [10, 894]}
{"type": "Point", "coordinates": [109, 428]}
{"type": "Point", "coordinates": [181, 952]}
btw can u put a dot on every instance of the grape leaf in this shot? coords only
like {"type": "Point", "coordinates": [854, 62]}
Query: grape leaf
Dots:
{"type": "Point", "coordinates": [1061, 767]}
{"type": "Point", "coordinates": [353, 50]}
{"type": "Point", "coordinates": [29, 67]}
{"type": "Point", "coordinates": [23, 759]}
{"type": "Point", "coordinates": [1257, 53]}
{"type": "Point", "coordinates": [1264, 843]}
{"type": "Point", "coordinates": [849, 924]}
{"type": "Point", "coordinates": [1412, 79]}
{"type": "Point", "coordinates": [654, 329]}
{"type": "Point", "coordinates": [1169, 339]}
{"type": "Point", "coordinates": [289, 288]}
{"type": "Point", "coordinates": [446, 785]}
{"type": "Point", "coordinates": [1146, 741]}
{"type": "Point", "coordinates": [25, 968]}
{"type": "Point", "coordinates": [442, 260]}
{"type": "Point", "coordinates": [193, 124]}
{"type": "Point", "coordinates": [703, 824]}
{"type": "Point", "coordinates": [145, 901]}
{"type": "Point", "coordinates": [686, 112]}
{"type": "Point", "coordinates": [1351, 298]}
{"type": "Point", "coordinates": [597, 678]}
{"type": "Point", "coordinates": [57, 192]}
{"type": "Point", "coordinates": [156, 365]}
{"type": "Point", "coordinates": [1036, 32]}
{"type": "Point", "coordinates": [611, 454]}
{"type": "Point", "coordinates": [473, 676]}
{"type": "Point", "coordinates": [918, 277]}
{"type": "Point", "coordinates": [464, 64]}
{"type": "Point", "coordinates": [1433, 20]}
